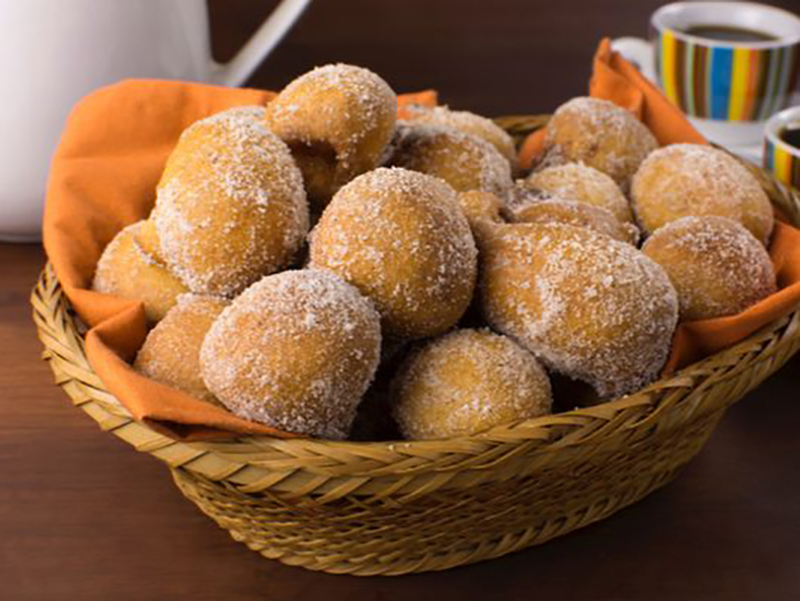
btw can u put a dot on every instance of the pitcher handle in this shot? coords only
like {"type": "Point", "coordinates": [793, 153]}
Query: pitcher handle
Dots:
{"type": "Point", "coordinates": [239, 68]}
{"type": "Point", "coordinates": [639, 52]}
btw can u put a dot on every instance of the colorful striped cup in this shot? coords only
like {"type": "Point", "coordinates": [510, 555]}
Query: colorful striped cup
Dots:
{"type": "Point", "coordinates": [728, 88]}
{"type": "Point", "coordinates": [780, 158]}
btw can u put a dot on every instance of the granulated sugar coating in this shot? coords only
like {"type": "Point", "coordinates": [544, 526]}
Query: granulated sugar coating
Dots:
{"type": "Point", "coordinates": [230, 205]}
{"type": "Point", "coordinates": [469, 123]}
{"type": "Point", "coordinates": [171, 352]}
{"type": "Point", "coordinates": [578, 214]}
{"type": "Point", "coordinates": [690, 179]}
{"type": "Point", "coordinates": [254, 112]}
{"type": "Point", "coordinates": [715, 264]}
{"type": "Point", "coordinates": [127, 271]}
{"type": "Point", "coordinates": [581, 183]}
{"type": "Point", "coordinates": [401, 238]}
{"type": "Point", "coordinates": [466, 382]}
{"type": "Point", "coordinates": [592, 308]}
{"type": "Point", "coordinates": [464, 161]}
{"type": "Point", "coordinates": [600, 134]}
{"type": "Point", "coordinates": [296, 350]}
{"type": "Point", "coordinates": [337, 120]}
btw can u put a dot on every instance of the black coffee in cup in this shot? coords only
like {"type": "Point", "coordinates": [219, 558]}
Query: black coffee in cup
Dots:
{"type": "Point", "coordinates": [791, 135]}
{"type": "Point", "coordinates": [726, 33]}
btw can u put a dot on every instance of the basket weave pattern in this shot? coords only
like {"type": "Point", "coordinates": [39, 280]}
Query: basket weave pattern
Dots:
{"type": "Point", "coordinates": [400, 507]}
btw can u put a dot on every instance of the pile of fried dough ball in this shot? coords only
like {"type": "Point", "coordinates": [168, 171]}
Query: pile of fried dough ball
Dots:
{"type": "Point", "coordinates": [297, 250]}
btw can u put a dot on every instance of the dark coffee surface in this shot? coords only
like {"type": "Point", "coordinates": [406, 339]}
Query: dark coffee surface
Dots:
{"type": "Point", "coordinates": [791, 135]}
{"type": "Point", "coordinates": [728, 34]}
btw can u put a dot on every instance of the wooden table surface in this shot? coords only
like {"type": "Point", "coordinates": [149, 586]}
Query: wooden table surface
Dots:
{"type": "Point", "coordinates": [83, 516]}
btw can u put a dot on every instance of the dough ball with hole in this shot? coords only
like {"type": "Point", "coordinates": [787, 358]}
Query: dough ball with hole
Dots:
{"type": "Point", "coordinates": [337, 120]}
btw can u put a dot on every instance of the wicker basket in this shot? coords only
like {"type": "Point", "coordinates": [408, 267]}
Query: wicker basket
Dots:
{"type": "Point", "coordinates": [400, 507]}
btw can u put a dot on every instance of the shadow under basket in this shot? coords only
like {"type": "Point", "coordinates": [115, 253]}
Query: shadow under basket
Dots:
{"type": "Point", "coordinates": [399, 507]}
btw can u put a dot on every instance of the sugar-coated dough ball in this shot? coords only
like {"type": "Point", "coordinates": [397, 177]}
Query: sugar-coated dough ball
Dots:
{"type": "Point", "coordinates": [692, 179]}
{"type": "Point", "coordinates": [337, 120]}
{"type": "Point", "coordinates": [230, 205]}
{"type": "Point", "coordinates": [171, 352]}
{"type": "Point", "coordinates": [296, 350]}
{"type": "Point", "coordinates": [469, 123]}
{"type": "Point", "coordinates": [577, 214]}
{"type": "Point", "coordinates": [468, 381]}
{"type": "Point", "coordinates": [589, 307]}
{"type": "Point", "coordinates": [479, 206]}
{"type": "Point", "coordinates": [401, 238]}
{"type": "Point", "coordinates": [581, 183]}
{"type": "Point", "coordinates": [715, 264]}
{"type": "Point", "coordinates": [464, 161]}
{"type": "Point", "coordinates": [600, 134]}
{"type": "Point", "coordinates": [126, 270]}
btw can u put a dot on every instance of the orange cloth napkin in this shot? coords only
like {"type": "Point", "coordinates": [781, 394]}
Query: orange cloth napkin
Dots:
{"type": "Point", "coordinates": [103, 177]}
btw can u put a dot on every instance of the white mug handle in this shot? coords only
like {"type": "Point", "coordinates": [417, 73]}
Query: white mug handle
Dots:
{"type": "Point", "coordinates": [238, 69]}
{"type": "Point", "coordinates": [639, 52]}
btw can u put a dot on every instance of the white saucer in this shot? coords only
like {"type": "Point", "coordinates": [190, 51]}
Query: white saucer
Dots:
{"type": "Point", "coordinates": [753, 153]}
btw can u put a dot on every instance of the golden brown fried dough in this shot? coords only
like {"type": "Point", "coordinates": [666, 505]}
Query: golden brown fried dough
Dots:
{"type": "Point", "coordinates": [684, 180]}
{"type": "Point", "coordinates": [230, 206]}
{"type": "Point", "coordinates": [296, 350]}
{"type": "Point", "coordinates": [715, 264]}
{"type": "Point", "coordinates": [464, 161]}
{"type": "Point", "coordinates": [469, 123]}
{"type": "Point", "coordinates": [600, 134]}
{"type": "Point", "coordinates": [127, 271]}
{"type": "Point", "coordinates": [479, 206]}
{"type": "Point", "coordinates": [401, 238]}
{"type": "Point", "coordinates": [171, 352]}
{"type": "Point", "coordinates": [466, 382]}
{"type": "Point", "coordinates": [337, 120]}
{"type": "Point", "coordinates": [581, 183]}
{"type": "Point", "coordinates": [589, 307]}
{"type": "Point", "coordinates": [578, 214]}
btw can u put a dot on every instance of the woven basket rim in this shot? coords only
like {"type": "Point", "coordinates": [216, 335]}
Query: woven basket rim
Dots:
{"type": "Point", "coordinates": [572, 417]}
{"type": "Point", "coordinates": [535, 429]}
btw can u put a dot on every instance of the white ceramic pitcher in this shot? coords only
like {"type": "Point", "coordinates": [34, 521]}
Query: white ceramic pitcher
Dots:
{"type": "Point", "coordinates": [55, 51]}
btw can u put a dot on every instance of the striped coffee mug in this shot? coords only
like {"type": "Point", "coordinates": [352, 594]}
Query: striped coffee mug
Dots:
{"type": "Point", "coordinates": [728, 65]}
{"type": "Point", "coordinates": [782, 158]}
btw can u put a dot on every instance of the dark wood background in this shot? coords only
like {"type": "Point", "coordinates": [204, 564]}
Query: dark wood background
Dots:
{"type": "Point", "coordinates": [83, 516]}
{"type": "Point", "coordinates": [488, 56]}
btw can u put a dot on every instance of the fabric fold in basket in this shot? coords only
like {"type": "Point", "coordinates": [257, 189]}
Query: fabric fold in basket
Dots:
{"type": "Point", "coordinates": [104, 176]}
